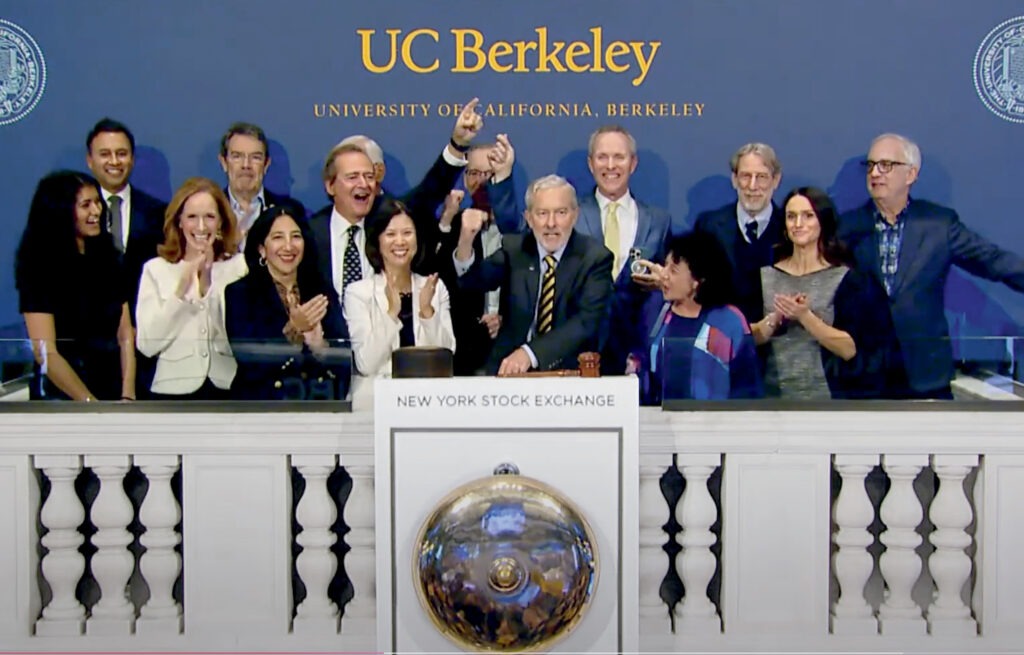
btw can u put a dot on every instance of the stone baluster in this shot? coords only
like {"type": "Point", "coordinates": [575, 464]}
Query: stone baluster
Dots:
{"type": "Point", "coordinates": [852, 563]}
{"type": "Point", "coordinates": [62, 565]}
{"type": "Point", "coordinates": [696, 513]}
{"type": "Point", "coordinates": [654, 513]}
{"type": "Point", "coordinates": [316, 564]}
{"type": "Point", "coordinates": [160, 564]}
{"type": "Point", "coordinates": [112, 564]}
{"type": "Point", "coordinates": [950, 565]}
{"type": "Point", "coordinates": [900, 565]}
{"type": "Point", "coordinates": [361, 611]}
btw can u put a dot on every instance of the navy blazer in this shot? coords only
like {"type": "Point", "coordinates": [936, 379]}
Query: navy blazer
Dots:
{"type": "Point", "coordinates": [746, 260]}
{"type": "Point", "coordinates": [652, 234]}
{"type": "Point", "coordinates": [271, 368]}
{"type": "Point", "coordinates": [934, 239]}
{"type": "Point", "coordinates": [583, 290]}
{"type": "Point", "coordinates": [145, 234]}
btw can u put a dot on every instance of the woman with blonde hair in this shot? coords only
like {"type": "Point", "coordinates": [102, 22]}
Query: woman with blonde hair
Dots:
{"type": "Point", "coordinates": [180, 310]}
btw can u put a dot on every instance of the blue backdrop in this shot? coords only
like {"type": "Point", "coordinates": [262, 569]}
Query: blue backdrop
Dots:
{"type": "Point", "coordinates": [817, 80]}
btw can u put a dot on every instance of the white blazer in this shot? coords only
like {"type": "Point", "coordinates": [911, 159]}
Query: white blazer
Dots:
{"type": "Point", "coordinates": [187, 333]}
{"type": "Point", "coordinates": [375, 335]}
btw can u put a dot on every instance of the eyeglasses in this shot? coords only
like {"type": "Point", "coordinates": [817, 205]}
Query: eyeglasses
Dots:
{"type": "Point", "coordinates": [475, 172]}
{"type": "Point", "coordinates": [256, 158]}
{"type": "Point", "coordinates": [759, 179]}
{"type": "Point", "coordinates": [884, 165]}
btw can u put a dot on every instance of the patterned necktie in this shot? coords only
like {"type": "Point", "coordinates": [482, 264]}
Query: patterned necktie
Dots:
{"type": "Point", "coordinates": [546, 307]}
{"type": "Point", "coordinates": [352, 270]}
{"type": "Point", "coordinates": [611, 235]}
{"type": "Point", "coordinates": [751, 229]}
{"type": "Point", "coordinates": [114, 225]}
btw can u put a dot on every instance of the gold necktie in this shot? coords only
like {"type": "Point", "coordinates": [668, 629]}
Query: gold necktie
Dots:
{"type": "Point", "coordinates": [611, 235]}
{"type": "Point", "coordinates": [546, 306]}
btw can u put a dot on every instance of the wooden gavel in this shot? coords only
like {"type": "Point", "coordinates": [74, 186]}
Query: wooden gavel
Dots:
{"type": "Point", "coordinates": [590, 367]}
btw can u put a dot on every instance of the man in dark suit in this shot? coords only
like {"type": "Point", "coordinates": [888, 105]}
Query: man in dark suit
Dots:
{"type": "Point", "coordinates": [556, 283]}
{"type": "Point", "coordinates": [135, 219]}
{"type": "Point", "coordinates": [352, 180]}
{"type": "Point", "coordinates": [749, 228]}
{"type": "Point", "coordinates": [245, 158]}
{"type": "Point", "coordinates": [910, 245]}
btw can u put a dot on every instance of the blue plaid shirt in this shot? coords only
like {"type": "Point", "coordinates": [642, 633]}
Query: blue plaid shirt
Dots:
{"type": "Point", "coordinates": [890, 241]}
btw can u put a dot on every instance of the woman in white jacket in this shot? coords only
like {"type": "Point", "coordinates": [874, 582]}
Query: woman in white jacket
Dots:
{"type": "Point", "coordinates": [394, 307]}
{"type": "Point", "coordinates": [180, 310]}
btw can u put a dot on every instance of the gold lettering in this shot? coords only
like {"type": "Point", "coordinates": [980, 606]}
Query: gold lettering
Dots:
{"type": "Point", "coordinates": [686, 109]}
{"type": "Point", "coordinates": [334, 110]}
{"type": "Point", "coordinates": [576, 48]}
{"type": "Point", "coordinates": [426, 108]}
{"type": "Point", "coordinates": [444, 110]}
{"type": "Point", "coordinates": [616, 49]}
{"type": "Point", "coordinates": [664, 110]}
{"type": "Point", "coordinates": [319, 111]}
{"type": "Point", "coordinates": [499, 49]}
{"type": "Point", "coordinates": [700, 108]}
{"type": "Point", "coordinates": [649, 110]}
{"type": "Point", "coordinates": [549, 110]}
{"type": "Point", "coordinates": [521, 48]}
{"type": "Point", "coordinates": [462, 49]}
{"type": "Point", "coordinates": [598, 39]}
{"type": "Point", "coordinates": [407, 59]}
{"type": "Point", "coordinates": [368, 59]}
{"type": "Point", "coordinates": [637, 110]}
{"type": "Point", "coordinates": [544, 57]}
{"type": "Point", "coordinates": [645, 64]}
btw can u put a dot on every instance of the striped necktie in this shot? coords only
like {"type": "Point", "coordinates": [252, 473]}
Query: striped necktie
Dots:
{"type": "Point", "coordinates": [546, 307]}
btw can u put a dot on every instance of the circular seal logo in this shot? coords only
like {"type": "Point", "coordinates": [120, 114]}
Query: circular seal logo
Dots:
{"type": "Point", "coordinates": [22, 73]}
{"type": "Point", "coordinates": [999, 70]}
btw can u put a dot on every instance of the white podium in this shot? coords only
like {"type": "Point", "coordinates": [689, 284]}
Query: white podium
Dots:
{"type": "Point", "coordinates": [577, 435]}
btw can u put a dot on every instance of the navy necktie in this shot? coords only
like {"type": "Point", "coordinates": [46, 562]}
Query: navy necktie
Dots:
{"type": "Point", "coordinates": [751, 230]}
{"type": "Point", "coordinates": [352, 268]}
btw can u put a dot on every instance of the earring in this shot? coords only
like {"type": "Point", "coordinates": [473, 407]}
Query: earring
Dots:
{"type": "Point", "coordinates": [263, 261]}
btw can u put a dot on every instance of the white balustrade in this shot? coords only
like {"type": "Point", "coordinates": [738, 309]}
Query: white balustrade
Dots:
{"type": "Point", "coordinates": [852, 563]}
{"type": "Point", "coordinates": [654, 513]}
{"type": "Point", "coordinates": [360, 612]}
{"type": "Point", "coordinates": [62, 565]}
{"type": "Point", "coordinates": [950, 565]}
{"type": "Point", "coordinates": [112, 563]}
{"type": "Point", "coordinates": [316, 564]}
{"type": "Point", "coordinates": [160, 564]}
{"type": "Point", "coordinates": [696, 513]}
{"type": "Point", "coordinates": [900, 564]}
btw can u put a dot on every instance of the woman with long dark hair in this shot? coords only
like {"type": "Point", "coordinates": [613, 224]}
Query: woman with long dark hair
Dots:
{"type": "Point", "coordinates": [72, 294]}
{"type": "Point", "coordinates": [282, 317]}
{"type": "Point", "coordinates": [829, 326]}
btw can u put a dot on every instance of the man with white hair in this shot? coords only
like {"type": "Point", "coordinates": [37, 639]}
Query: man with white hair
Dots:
{"type": "Point", "coordinates": [556, 283]}
{"type": "Point", "coordinates": [909, 245]}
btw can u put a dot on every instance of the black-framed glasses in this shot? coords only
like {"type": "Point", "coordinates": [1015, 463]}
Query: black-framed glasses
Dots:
{"type": "Point", "coordinates": [884, 165]}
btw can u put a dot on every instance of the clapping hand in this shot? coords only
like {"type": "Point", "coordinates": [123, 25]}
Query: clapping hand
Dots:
{"type": "Point", "coordinates": [427, 296]}
{"type": "Point", "coordinates": [307, 316]}
{"type": "Point", "coordinates": [792, 307]}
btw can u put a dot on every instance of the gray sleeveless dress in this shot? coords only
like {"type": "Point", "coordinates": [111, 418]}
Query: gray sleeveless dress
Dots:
{"type": "Point", "coordinates": [794, 369]}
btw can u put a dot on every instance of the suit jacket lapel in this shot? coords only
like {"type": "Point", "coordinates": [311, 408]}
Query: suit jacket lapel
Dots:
{"type": "Point", "coordinates": [590, 214]}
{"type": "Point", "coordinates": [530, 282]}
{"type": "Point", "coordinates": [565, 276]}
{"type": "Point", "coordinates": [914, 233]}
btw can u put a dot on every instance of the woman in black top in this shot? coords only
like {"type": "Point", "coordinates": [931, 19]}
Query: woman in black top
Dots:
{"type": "Point", "coordinates": [72, 295]}
{"type": "Point", "coordinates": [283, 318]}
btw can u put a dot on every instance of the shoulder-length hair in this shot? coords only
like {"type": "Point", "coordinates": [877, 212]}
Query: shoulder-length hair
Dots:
{"type": "Point", "coordinates": [310, 282]}
{"type": "Point", "coordinates": [708, 264]}
{"type": "Point", "coordinates": [49, 243]}
{"type": "Point", "coordinates": [377, 223]}
{"type": "Point", "coordinates": [173, 247]}
{"type": "Point", "coordinates": [829, 247]}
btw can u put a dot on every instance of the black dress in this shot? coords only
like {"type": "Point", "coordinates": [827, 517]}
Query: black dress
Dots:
{"type": "Point", "coordinates": [86, 301]}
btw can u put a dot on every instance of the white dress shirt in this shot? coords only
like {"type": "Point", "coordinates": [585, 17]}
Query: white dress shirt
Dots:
{"type": "Point", "coordinates": [628, 217]}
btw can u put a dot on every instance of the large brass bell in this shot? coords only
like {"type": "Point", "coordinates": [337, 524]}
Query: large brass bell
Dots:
{"type": "Point", "coordinates": [504, 564]}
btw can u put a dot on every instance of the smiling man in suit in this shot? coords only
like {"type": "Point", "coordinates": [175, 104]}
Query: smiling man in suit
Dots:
{"type": "Point", "coordinates": [556, 283]}
{"type": "Point", "coordinates": [629, 228]}
{"type": "Point", "coordinates": [749, 228]}
{"type": "Point", "coordinates": [909, 245]}
{"type": "Point", "coordinates": [135, 219]}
